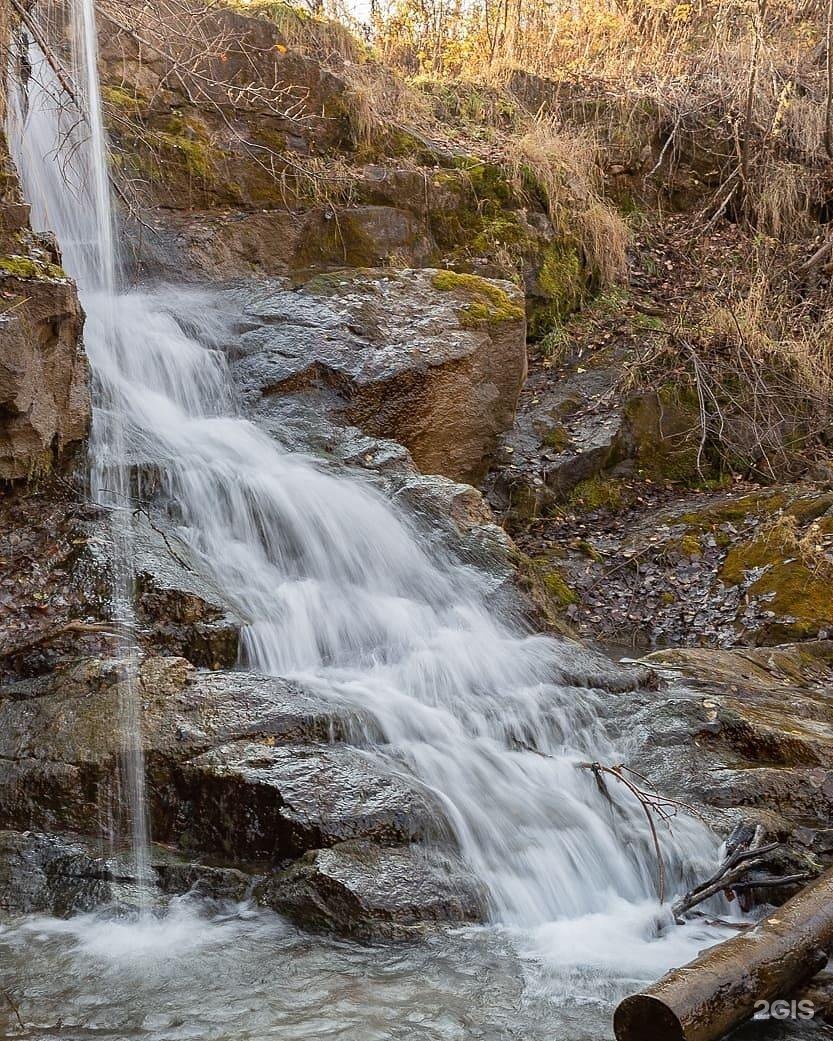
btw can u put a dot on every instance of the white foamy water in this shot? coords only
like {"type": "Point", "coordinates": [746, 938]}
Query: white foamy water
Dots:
{"type": "Point", "coordinates": [341, 593]}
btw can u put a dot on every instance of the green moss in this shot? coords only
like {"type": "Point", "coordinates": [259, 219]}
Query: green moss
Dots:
{"type": "Point", "coordinates": [504, 230]}
{"type": "Point", "coordinates": [118, 97]}
{"type": "Point", "coordinates": [732, 511]}
{"type": "Point", "coordinates": [558, 588]}
{"type": "Point", "coordinates": [488, 303]}
{"type": "Point", "coordinates": [191, 152]}
{"type": "Point", "coordinates": [557, 438]}
{"type": "Point", "coordinates": [589, 550]}
{"type": "Point", "coordinates": [549, 598]}
{"type": "Point", "coordinates": [745, 556]}
{"type": "Point", "coordinates": [799, 596]}
{"type": "Point", "coordinates": [597, 493]}
{"type": "Point", "coordinates": [808, 508]}
{"type": "Point", "coordinates": [488, 181]}
{"type": "Point", "coordinates": [690, 546]}
{"type": "Point", "coordinates": [562, 286]}
{"type": "Point", "coordinates": [16, 266]}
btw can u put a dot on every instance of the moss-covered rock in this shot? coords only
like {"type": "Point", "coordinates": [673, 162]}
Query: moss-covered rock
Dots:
{"type": "Point", "coordinates": [561, 286]}
{"type": "Point", "coordinates": [17, 266]}
{"type": "Point", "coordinates": [487, 302]}
{"type": "Point", "coordinates": [664, 427]}
{"type": "Point", "coordinates": [547, 590]}
{"type": "Point", "coordinates": [601, 492]}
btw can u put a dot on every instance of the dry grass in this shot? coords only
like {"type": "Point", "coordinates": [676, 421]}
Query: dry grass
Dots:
{"type": "Point", "coordinates": [760, 361]}
{"type": "Point", "coordinates": [328, 40]}
{"type": "Point", "coordinates": [566, 167]}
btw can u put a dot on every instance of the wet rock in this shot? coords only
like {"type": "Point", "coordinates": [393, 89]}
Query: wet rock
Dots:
{"type": "Point", "coordinates": [43, 372]}
{"type": "Point", "coordinates": [745, 735]}
{"type": "Point", "coordinates": [208, 882]}
{"type": "Point", "coordinates": [359, 889]}
{"type": "Point", "coordinates": [181, 610]}
{"type": "Point", "coordinates": [60, 737]}
{"type": "Point", "coordinates": [259, 800]}
{"type": "Point", "coordinates": [430, 359]}
{"type": "Point", "coordinates": [570, 427]}
{"type": "Point", "coordinates": [439, 499]}
{"type": "Point", "coordinates": [49, 874]}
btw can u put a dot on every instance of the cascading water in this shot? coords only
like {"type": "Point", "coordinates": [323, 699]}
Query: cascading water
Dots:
{"type": "Point", "coordinates": [339, 590]}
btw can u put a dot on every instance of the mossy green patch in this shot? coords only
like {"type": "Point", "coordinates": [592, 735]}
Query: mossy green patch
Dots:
{"type": "Point", "coordinates": [127, 103]}
{"type": "Point", "coordinates": [797, 590]}
{"type": "Point", "coordinates": [16, 266]}
{"type": "Point", "coordinates": [489, 183]}
{"type": "Point", "coordinates": [690, 546]}
{"type": "Point", "coordinates": [488, 303]}
{"type": "Point", "coordinates": [598, 493]}
{"type": "Point", "coordinates": [732, 511]}
{"type": "Point", "coordinates": [559, 589]}
{"type": "Point", "coordinates": [562, 288]}
{"type": "Point", "coordinates": [799, 598]}
{"type": "Point", "coordinates": [558, 438]}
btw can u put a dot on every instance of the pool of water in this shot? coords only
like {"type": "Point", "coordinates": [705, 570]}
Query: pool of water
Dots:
{"type": "Point", "coordinates": [231, 973]}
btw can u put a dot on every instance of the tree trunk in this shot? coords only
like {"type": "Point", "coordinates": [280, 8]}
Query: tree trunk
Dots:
{"type": "Point", "coordinates": [724, 986]}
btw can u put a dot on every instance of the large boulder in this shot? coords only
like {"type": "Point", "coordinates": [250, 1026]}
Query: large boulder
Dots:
{"type": "Point", "coordinates": [375, 892]}
{"type": "Point", "coordinates": [432, 359]}
{"type": "Point", "coordinates": [237, 764]}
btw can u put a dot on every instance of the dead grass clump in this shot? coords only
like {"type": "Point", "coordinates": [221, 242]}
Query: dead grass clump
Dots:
{"type": "Point", "coordinates": [780, 203]}
{"type": "Point", "coordinates": [376, 99]}
{"type": "Point", "coordinates": [328, 40]}
{"type": "Point", "coordinates": [566, 170]}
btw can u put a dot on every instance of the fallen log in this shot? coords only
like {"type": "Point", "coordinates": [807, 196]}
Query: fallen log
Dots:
{"type": "Point", "coordinates": [728, 983]}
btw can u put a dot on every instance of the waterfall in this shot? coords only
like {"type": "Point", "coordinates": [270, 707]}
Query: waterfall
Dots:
{"type": "Point", "coordinates": [339, 589]}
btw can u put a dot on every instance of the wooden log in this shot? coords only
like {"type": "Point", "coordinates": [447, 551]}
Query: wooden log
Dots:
{"type": "Point", "coordinates": [704, 1000]}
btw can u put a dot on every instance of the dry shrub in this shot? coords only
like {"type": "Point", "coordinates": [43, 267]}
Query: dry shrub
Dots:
{"type": "Point", "coordinates": [761, 365]}
{"type": "Point", "coordinates": [565, 166]}
{"type": "Point", "coordinates": [375, 99]}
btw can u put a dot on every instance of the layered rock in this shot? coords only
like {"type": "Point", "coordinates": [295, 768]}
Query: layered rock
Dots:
{"type": "Point", "coordinates": [44, 402]}
{"type": "Point", "coordinates": [240, 767]}
{"type": "Point", "coordinates": [745, 737]}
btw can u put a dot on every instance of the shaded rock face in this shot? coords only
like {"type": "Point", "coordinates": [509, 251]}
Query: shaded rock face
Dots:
{"type": "Point", "coordinates": [49, 874]}
{"type": "Point", "coordinates": [433, 361]}
{"type": "Point", "coordinates": [44, 402]}
{"type": "Point", "coordinates": [55, 590]}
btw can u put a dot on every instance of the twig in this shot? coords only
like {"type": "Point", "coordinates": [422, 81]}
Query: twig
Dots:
{"type": "Point", "coordinates": [75, 626]}
{"type": "Point", "coordinates": [730, 872]}
{"type": "Point", "coordinates": [40, 40]}
{"type": "Point", "coordinates": [651, 802]}
{"type": "Point", "coordinates": [15, 1008]}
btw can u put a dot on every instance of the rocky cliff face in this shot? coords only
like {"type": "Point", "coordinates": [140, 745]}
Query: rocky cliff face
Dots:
{"type": "Point", "coordinates": [44, 401]}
